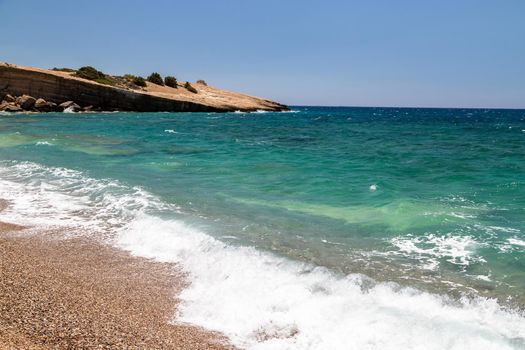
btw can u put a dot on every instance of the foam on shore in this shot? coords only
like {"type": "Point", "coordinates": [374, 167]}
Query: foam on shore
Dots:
{"type": "Point", "coordinates": [257, 299]}
{"type": "Point", "coordinates": [265, 302]}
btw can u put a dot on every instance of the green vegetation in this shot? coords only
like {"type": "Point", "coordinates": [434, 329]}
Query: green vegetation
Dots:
{"type": "Point", "coordinates": [190, 88]}
{"type": "Point", "coordinates": [170, 81]}
{"type": "Point", "coordinates": [155, 78]}
{"type": "Point", "coordinates": [127, 80]}
{"type": "Point", "coordinates": [68, 70]}
{"type": "Point", "coordinates": [139, 81]}
{"type": "Point", "coordinates": [105, 81]}
{"type": "Point", "coordinates": [90, 73]}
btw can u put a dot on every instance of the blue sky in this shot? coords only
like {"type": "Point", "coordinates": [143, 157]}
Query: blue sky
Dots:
{"type": "Point", "coordinates": [430, 53]}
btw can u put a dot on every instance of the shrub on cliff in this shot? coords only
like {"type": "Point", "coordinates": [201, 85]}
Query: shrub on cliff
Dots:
{"type": "Point", "coordinates": [155, 78]}
{"type": "Point", "coordinates": [190, 88]}
{"type": "Point", "coordinates": [68, 70]}
{"type": "Point", "coordinates": [170, 81]}
{"type": "Point", "coordinates": [139, 81]}
{"type": "Point", "coordinates": [106, 81]}
{"type": "Point", "coordinates": [90, 73]}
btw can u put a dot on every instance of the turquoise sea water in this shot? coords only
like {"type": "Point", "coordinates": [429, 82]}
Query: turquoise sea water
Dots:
{"type": "Point", "coordinates": [427, 198]}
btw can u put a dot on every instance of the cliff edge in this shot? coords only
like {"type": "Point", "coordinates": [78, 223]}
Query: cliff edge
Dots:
{"type": "Point", "coordinates": [60, 86]}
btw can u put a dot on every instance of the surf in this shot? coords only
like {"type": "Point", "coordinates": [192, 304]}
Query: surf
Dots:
{"type": "Point", "coordinates": [260, 300]}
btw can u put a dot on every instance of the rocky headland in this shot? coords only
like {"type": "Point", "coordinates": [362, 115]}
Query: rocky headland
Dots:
{"type": "Point", "coordinates": [56, 90]}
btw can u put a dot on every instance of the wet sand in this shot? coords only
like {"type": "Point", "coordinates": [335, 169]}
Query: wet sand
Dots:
{"type": "Point", "coordinates": [80, 294]}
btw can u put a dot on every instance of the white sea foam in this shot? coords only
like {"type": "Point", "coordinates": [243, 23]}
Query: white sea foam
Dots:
{"type": "Point", "coordinates": [58, 196]}
{"type": "Point", "coordinates": [429, 249]}
{"type": "Point", "coordinates": [259, 300]}
{"type": "Point", "coordinates": [170, 131]}
{"type": "Point", "coordinates": [44, 143]}
{"type": "Point", "coordinates": [69, 110]}
{"type": "Point", "coordinates": [516, 242]}
{"type": "Point", "coordinates": [265, 302]}
{"type": "Point", "coordinates": [261, 111]}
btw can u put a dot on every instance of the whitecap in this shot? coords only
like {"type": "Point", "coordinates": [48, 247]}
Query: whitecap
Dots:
{"type": "Point", "coordinates": [43, 143]}
{"type": "Point", "coordinates": [429, 249]}
{"type": "Point", "coordinates": [516, 242]}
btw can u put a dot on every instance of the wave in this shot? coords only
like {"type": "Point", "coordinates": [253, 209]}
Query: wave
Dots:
{"type": "Point", "coordinates": [259, 300]}
{"type": "Point", "coordinates": [262, 301]}
{"type": "Point", "coordinates": [517, 242]}
{"type": "Point", "coordinates": [69, 110]}
{"type": "Point", "coordinates": [58, 196]}
{"type": "Point", "coordinates": [429, 249]}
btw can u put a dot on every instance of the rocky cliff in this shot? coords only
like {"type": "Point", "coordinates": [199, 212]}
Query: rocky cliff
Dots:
{"type": "Point", "coordinates": [58, 87]}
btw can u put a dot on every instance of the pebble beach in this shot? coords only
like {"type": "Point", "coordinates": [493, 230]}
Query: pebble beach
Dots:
{"type": "Point", "coordinates": [58, 293]}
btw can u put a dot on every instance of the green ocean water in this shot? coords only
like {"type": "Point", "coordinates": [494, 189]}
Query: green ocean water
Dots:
{"type": "Point", "coordinates": [431, 198]}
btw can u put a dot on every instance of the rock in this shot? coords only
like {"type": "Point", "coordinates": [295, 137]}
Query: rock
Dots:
{"type": "Point", "coordinates": [13, 108]}
{"type": "Point", "coordinates": [70, 105]}
{"type": "Point", "coordinates": [26, 102]}
{"type": "Point", "coordinates": [53, 107]}
{"type": "Point", "coordinates": [202, 82]}
{"type": "Point", "coordinates": [43, 106]}
{"type": "Point", "coordinates": [9, 98]}
{"type": "Point", "coordinates": [40, 103]}
{"type": "Point", "coordinates": [88, 108]}
{"type": "Point", "coordinates": [9, 107]}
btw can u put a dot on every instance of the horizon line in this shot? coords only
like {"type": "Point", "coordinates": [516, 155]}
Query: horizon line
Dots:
{"type": "Point", "coordinates": [407, 107]}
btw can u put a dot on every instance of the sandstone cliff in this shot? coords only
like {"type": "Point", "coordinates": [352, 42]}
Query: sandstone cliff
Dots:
{"type": "Point", "coordinates": [58, 87]}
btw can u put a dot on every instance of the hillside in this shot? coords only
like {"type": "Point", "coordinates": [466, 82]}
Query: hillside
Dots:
{"type": "Point", "coordinates": [57, 87]}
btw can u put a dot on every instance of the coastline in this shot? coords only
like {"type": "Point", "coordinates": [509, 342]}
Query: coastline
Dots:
{"type": "Point", "coordinates": [77, 293]}
{"type": "Point", "coordinates": [55, 89]}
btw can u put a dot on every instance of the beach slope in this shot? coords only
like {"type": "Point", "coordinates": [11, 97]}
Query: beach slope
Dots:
{"type": "Point", "coordinates": [80, 294]}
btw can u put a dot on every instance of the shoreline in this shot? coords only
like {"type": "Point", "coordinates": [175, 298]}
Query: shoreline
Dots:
{"type": "Point", "coordinates": [78, 293]}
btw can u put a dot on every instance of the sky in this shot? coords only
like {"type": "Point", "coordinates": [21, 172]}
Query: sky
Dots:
{"type": "Point", "coordinates": [412, 53]}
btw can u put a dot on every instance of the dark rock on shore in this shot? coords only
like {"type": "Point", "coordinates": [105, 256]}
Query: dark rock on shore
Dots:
{"type": "Point", "coordinates": [9, 107]}
{"type": "Point", "coordinates": [26, 102]}
{"type": "Point", "coordinates": [42, 105]}
{"type": "Point", "coordinates": [9, 98]}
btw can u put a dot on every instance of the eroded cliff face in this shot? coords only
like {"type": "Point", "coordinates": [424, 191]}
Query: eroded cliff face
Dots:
{"type": "Point", "coordinates": [59, 87]}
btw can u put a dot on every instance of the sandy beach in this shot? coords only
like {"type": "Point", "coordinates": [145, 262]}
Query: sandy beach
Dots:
{"type": "Point", "coordinates": [80, 294]}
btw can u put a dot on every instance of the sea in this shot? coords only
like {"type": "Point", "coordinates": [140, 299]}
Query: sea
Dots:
{"type": "Point", "coordinates": [318, 228]}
